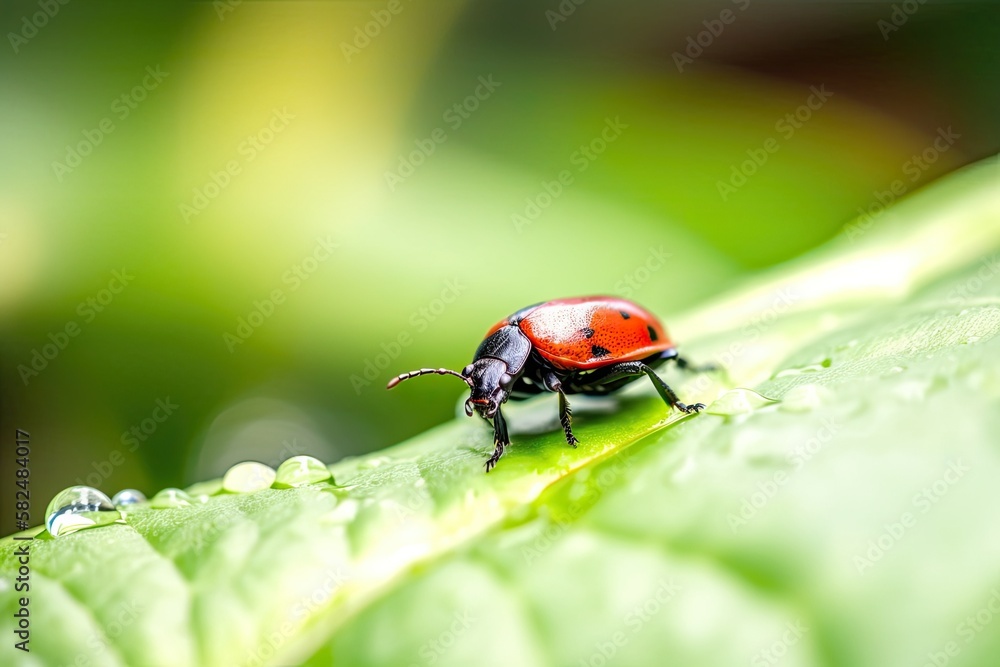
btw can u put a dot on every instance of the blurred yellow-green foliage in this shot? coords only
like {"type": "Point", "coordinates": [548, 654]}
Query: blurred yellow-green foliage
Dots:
{"type": "Point", "coordinates": [290, 203]}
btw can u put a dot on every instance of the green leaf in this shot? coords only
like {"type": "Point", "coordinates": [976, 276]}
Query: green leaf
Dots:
{"type": "Point", "coordinates": [850, 521]}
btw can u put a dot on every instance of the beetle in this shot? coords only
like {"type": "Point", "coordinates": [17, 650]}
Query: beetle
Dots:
{"type": "Point", "coordinates": [590, 345]}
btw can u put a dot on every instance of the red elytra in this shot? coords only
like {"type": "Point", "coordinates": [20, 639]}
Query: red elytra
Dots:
{"type": "Point", "coordinates": [567, 332]}
{"type": "Point", "coordinates": [585, 345]}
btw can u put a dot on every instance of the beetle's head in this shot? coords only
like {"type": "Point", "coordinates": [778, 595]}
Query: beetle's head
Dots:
{"type": "Point", "coordinates": [490, 386]}
{"type": "Point", "coordinates": [488, 381]}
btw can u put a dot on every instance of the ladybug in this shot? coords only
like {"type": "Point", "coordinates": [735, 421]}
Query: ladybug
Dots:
{"type": "Point", "coordinates": [591, 345]}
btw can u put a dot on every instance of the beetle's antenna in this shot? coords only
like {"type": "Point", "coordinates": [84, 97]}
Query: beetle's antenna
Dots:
{"type": "Point", "coordinates": [426, 371]}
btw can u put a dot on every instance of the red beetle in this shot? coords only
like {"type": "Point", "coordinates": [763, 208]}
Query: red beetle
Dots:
{"type": "Point", "coordinates": [588, 345]}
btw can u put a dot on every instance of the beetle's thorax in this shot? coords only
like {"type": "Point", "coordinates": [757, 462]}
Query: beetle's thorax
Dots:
{"type": "Point", "coordinates": [498, 363]}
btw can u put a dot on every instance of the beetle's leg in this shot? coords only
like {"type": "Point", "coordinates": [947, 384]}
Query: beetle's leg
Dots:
{"type": "Point", "coordinates": [552, 383]}
{"type": "Point", "coordinates": [500, 439]}
{"type": "Point", "coordinates": [627, 368]}
{"type": "Point", "coordinates": [667, 394]}
{"type": "Point", "coordinates": [686, 365]}
{"type": "Point", "coordinates": [566, 419]}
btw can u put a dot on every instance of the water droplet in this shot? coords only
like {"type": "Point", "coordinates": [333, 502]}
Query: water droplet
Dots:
{"type": "Point", "coordinates": [738, 402]}
{"type": "Point", "coordinates": [78, 508]}
{"type": "Point", "coordinates": [207, 489]}
{"type": "Point", "coordinates": [301, 470]}
{"type": "Point", "coordinates": [804, 397]}
{"type": "Point", "coordinates": [374, 462]}
{"type": "Point", "coordinates": [171, 498]}
{"type": "Point", "coordinates": [127, 497]}
{"type": "Point", "coordinates": [895, 369]}
{"type": "Point", "coordinates": [248, 477]}
{"type": "Point", "coordinates": [802, 370]}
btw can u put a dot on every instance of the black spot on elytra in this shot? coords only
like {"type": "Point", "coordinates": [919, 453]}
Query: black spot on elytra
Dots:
{"type": "Point", "coordinates": [587, 332]}
{"type": "Point", "coordinates": [652, 334]}
{"type": "Point", "coordinates": [599, 351]}
{"type": "Point", "coordinates": [624, 315]}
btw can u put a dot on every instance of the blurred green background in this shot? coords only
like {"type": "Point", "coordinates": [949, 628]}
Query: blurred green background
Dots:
{"type": "Point", "coordinates": [298, 210]}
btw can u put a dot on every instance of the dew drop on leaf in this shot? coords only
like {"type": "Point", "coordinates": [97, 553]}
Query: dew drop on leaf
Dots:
{"type": "Point", "coordinates": [248, 477]}
{"type": "Point", "coordinates": [78, 508]}
{"type": "Point", "coordinates": [128, 497]}
{"type": "Point", "coordinates": [802, 370]}
{"type": "Point", "coordinates": [374, 462]}
{"type": "Point", "coordinates": [205, 489]}
{"type": "Point", "coordinates": [171, 498]}
{"type": "Point", "coordinates": [301, 470]}
{"type": "Point", "coordinates": [738, 402]}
